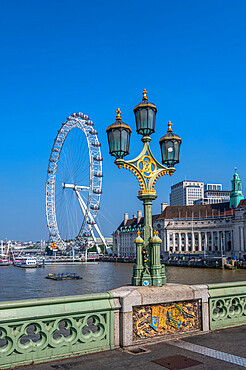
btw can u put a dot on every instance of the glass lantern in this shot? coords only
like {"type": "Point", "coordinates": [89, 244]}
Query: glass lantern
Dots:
{"type": "Point", "coordinates": [145, 114]}
{"type": "Point", "coordinates": [170, 147]}
{"type": "Point", "coordinates": [118, 137]}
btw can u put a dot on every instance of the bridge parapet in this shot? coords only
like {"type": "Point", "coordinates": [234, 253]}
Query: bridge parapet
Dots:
{"type": "Point", "coordinates": [43, 330]}
{"type": "Point", "coordinates": [34, 331]}
{"type": "Point", "coordinates": [227, 304]}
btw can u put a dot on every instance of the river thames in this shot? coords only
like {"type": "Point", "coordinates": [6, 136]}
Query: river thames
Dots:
{"type": "Point", "coordinates": [20, 283]}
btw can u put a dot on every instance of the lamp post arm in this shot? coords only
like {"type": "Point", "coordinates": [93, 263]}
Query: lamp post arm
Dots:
{"type": "Point", "coordinates": [145, 167]}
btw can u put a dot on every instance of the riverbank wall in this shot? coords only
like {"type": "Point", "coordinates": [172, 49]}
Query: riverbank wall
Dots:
{"type": "Point", "coordinates": [35, 331]}
{"type": "Point", "coordinates": [197, 262]}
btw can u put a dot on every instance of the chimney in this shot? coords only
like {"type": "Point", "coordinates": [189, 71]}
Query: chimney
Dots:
{"type": "Point", "coordinates": [139, 216]}
{"type": "Point", "coordinates": [125, 218]}
{"type": "Point", "coordinates": [134, 216]}
{"type": "Point", "coordinates": [163, 206]}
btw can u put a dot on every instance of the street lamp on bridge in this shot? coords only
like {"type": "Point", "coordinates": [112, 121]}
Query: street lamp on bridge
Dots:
{"type": "Point", "coordinates": [148, 269]}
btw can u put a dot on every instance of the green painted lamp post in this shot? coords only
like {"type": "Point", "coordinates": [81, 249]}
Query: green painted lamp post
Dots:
{"type": "Point", "coordinates": [148, 269]}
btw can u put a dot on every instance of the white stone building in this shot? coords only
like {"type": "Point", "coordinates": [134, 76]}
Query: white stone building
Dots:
{"type": "Point", "coordinates": [212, 230]}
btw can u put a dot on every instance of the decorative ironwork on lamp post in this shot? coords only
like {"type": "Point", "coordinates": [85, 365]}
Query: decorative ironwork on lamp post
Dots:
{"type": "Point", "coordinates": [148, 269]}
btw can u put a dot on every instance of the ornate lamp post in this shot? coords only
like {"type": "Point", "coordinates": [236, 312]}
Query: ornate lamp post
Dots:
{"type": "Point", "coordinates": [148, 269]}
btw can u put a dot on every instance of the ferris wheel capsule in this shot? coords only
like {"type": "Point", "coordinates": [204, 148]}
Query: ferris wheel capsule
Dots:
{"type": "Point", "coordinates": [97, 191]}
{"type": "Point", "coordinates": [93, 132]}
{"type": "Point", "coordinates": [95, 207]}
{"type": "Point", "coordinates": [98, 159]}
{"type": "Point", "coordinates": [69, 118]}
{"type": "Point", "coordinates": [80, 114]}
{"type": "Point", "coordinates": [98, 174]}
{"type": "Point", "coordinates": [96, 143]}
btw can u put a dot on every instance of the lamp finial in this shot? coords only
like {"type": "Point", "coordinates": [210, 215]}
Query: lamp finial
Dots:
{"type": "Point", "coordinates": [145, 94]}
{"type": "Point", "coordinates": [169, 126]}
{"type": "Point", "coordinates": [118, 114]}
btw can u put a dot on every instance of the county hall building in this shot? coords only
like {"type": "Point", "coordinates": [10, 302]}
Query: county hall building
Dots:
{"type": "Point", "coordinates": [213, 229]}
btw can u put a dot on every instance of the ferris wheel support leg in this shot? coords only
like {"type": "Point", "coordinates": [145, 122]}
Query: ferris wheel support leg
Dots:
{"type": "Point", "coordinates": [83, 208]}
{"type": "Point", "coordinates": [101, 236]}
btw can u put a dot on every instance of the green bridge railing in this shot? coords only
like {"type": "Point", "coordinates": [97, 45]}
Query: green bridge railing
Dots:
{"type": "Point", "coordinates": [34, 331]}
{"type": "Point", "coordinates": [227, 304]}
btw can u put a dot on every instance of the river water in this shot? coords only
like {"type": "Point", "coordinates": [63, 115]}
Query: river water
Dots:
{"type": "Point", "coordinates": [20, 283]}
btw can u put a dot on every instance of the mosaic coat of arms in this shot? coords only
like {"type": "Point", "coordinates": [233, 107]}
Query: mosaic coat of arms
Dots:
{"type": "Point", "coordinates": [166, 318]}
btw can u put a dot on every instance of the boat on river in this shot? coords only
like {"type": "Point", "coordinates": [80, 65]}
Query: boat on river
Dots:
{"type": "Point", "coordinates": [64, 276]}
{"type": "Point", "coordinates": [4, 262]}
{"type": "Point", "coordinates": [26, 262]}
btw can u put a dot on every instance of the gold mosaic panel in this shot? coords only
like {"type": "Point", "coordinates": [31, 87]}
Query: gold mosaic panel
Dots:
{"type": "Point", "coordinates": [166, 318]}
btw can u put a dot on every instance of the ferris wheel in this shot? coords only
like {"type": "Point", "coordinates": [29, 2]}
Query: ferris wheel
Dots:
{"type": "Point", "coordinates": [74, 183]}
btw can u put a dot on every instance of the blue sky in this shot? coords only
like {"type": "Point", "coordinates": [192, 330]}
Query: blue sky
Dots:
{"type": "Point", "coordinates": [60, 57]}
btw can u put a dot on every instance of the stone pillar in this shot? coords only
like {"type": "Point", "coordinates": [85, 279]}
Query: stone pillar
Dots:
{"type": "Point", "coordinates": [167, 242]}
{"type": "Point", "coordinates": [212, 241]}
{"type": "Point", "coordinates": [199, 242]}
{"type": "Point", "coordinates": [205, 242]}
{"type": "Point", "coordinates": [174, 242]}
{"type": "Point", "coordinates": [172, 245]}
{"type": "Point", "coordinates": [193, 241]}
{"type": "Point", "coordinates": [186, 242]}
{"type": "Point", "coordinates": [180, 243]}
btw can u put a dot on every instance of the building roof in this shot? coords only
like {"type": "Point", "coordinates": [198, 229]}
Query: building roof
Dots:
{"type": "Point", "coordinates": [195, 211]}
{"type": "Point", "coordinates": [242, 204]}
{"type": "Point", "coordinates": [183, 212]}
{"type": "Point", "coordinates": [181, 182]}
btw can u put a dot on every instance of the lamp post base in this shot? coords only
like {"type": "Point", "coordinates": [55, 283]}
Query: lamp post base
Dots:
{"type": "Point", "coordinates": [143, 274]}
{"type": "Point", "coordinates": [137, 275]}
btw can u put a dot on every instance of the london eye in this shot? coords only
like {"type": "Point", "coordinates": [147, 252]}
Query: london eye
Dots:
{"type": "Point", "coordinates": [74, 184]}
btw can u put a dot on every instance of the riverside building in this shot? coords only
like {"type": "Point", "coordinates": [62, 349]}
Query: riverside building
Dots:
{"type": "Point", "coordinates": [186, 193]}
{"type": "Point", "coordinates": [214, 229]}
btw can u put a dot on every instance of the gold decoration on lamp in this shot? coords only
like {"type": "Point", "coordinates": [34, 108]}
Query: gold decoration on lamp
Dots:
{"type": "Point", "coordinates": [145, 94]}
{"type": "Point", "coordinates": [118, 114]}
{"type": "Point", "coordinates": [146, 166]}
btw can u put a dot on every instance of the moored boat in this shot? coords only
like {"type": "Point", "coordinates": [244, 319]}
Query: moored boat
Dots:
{"type": "Point", "coordinates": [66, 276]}
{"type": "Point", "coordinates": [4, 262]}
{"type": "Point", "coordinates": [26, 262]}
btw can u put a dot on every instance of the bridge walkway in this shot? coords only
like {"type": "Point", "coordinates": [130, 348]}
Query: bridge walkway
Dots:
{"type": "Point", "coordinates": [219, 349]}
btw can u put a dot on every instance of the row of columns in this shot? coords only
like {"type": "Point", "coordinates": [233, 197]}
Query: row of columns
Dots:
{"type": "Point", "coordinates": [209, 243]}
